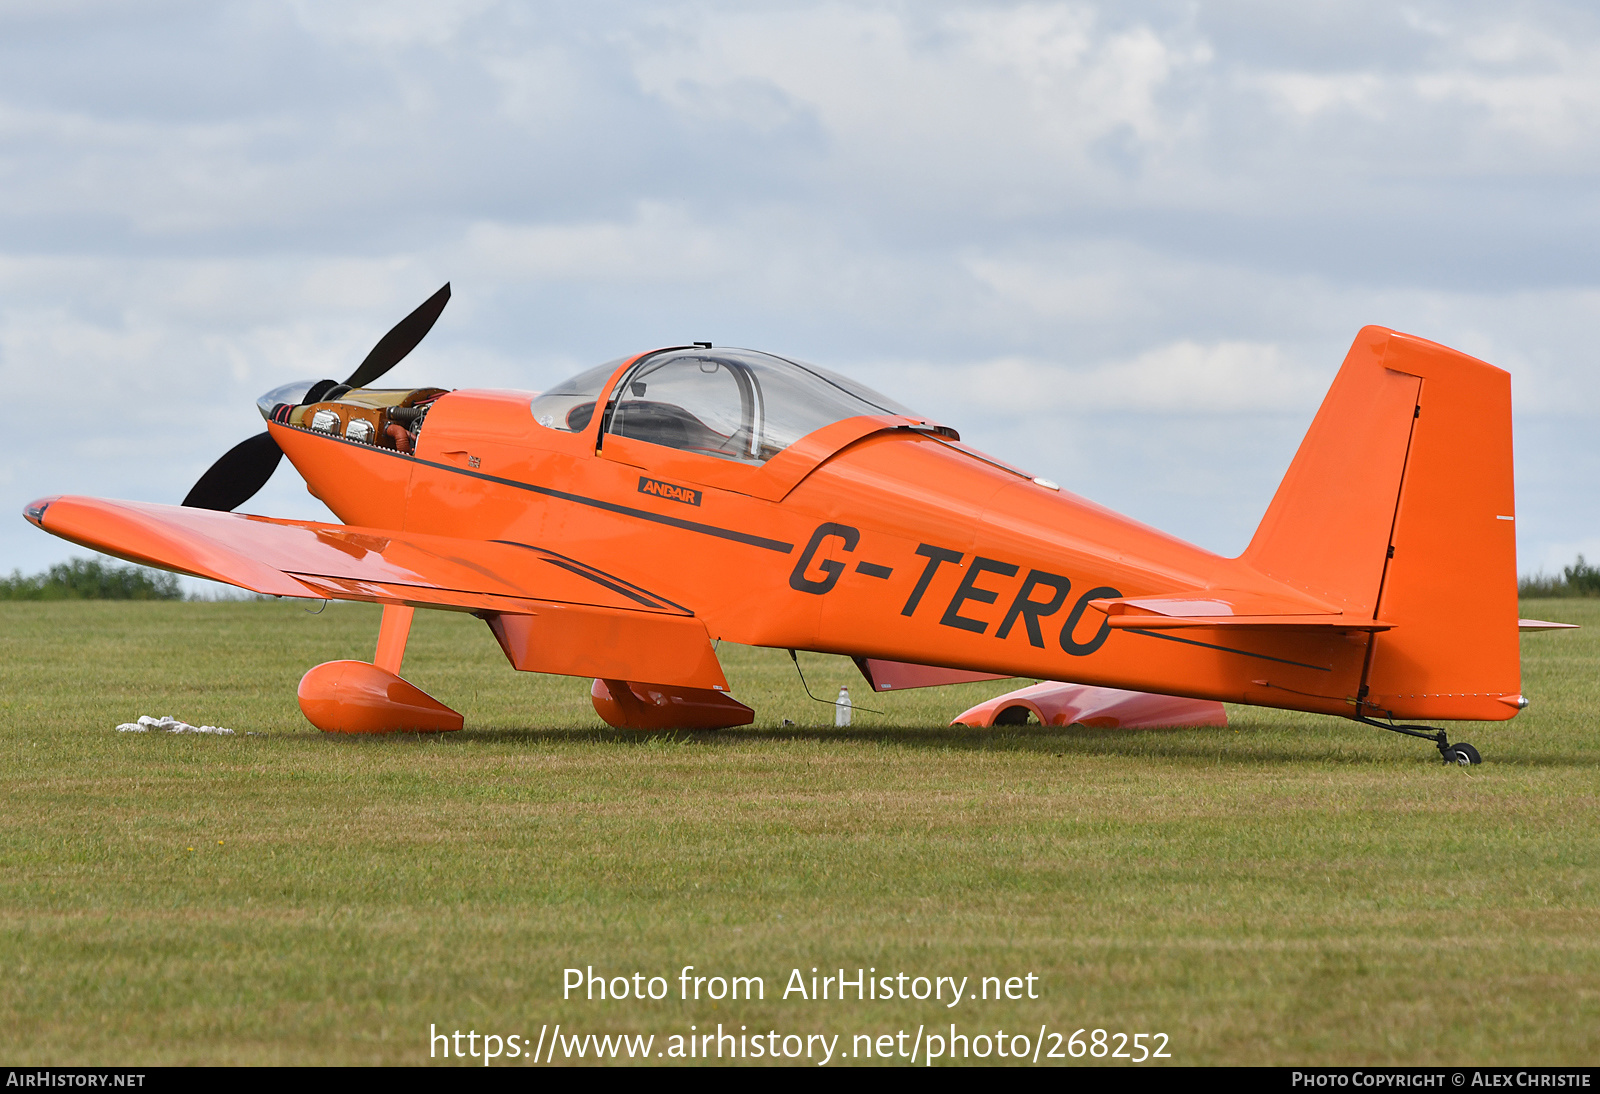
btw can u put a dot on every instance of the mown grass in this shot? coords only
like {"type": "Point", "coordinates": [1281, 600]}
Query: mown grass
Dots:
{"type": "Point", "coordinates": [1286, 890]}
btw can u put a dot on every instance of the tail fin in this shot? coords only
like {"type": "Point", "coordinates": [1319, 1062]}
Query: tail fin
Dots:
{"type": "Point", "coordinates": [1399, 506]}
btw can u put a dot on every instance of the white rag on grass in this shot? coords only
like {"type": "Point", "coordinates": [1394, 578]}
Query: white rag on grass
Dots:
{"type": "Point", "coordinates": [146, 723]}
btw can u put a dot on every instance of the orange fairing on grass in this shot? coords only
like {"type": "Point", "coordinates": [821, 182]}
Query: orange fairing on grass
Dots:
{"type": "Point", "coordinates": [355, 697]}
{"type": "Point", "coordinates": [620, 524]}
{"type": "Point", "coordinates": [1054, 704]}
{"type": "Point", "coordinates": [645, 706]}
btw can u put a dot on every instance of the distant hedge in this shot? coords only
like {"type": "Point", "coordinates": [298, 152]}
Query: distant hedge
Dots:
{"type": "Point", "coordinates": [91, 579]}
{"type": "Point", "coordinates": [1579, 579]}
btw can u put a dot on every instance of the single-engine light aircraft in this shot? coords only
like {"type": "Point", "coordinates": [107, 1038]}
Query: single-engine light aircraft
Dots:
{"type": "Point", "coordinates": [615, 525]}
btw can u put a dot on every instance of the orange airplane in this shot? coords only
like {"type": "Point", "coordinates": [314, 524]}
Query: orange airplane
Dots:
{"type": "Point", "coordinates": [619, 524]}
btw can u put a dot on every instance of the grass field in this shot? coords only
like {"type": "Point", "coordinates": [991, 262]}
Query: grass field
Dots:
{"type": "Point", "coordinates": [1286, 890]}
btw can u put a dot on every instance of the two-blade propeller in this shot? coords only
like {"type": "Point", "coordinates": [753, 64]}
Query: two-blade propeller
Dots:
{"type": "Point", "coordinates": [246, 467]}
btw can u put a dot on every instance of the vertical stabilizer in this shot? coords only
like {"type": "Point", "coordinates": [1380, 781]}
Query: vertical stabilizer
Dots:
{"type": "Point", "coordinates": [1327, 529]}
{"type": "Point", "coordinates": [1398, 506]}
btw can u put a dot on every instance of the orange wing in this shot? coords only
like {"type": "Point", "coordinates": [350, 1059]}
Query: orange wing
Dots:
{"type": "Point", "coordinates": [551, 613]}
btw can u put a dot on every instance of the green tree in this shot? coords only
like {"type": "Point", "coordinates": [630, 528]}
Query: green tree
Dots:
{"type": "Point", "coordinates": [91, 579]}
{"type": "Point", "coordinates": [1582, 578]}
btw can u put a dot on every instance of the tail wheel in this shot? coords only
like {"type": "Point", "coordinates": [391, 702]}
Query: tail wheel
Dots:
{"type": "Point", "coordinates": [1462, 753]}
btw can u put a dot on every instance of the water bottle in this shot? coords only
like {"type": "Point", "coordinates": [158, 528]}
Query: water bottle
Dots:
{"type": "Point", "coordinates": [841, 708]}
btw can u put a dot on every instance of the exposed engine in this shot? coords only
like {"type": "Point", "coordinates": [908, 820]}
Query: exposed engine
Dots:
{"type": "Point", "coordinates": [382, 417]}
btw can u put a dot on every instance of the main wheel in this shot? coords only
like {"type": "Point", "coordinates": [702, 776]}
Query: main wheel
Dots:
{"type": "Point", "coordinates": [1463, 754]}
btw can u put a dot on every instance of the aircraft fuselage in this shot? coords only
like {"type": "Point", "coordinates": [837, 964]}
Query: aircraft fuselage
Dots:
{"type": "Point", "coordinates": [878, 539]}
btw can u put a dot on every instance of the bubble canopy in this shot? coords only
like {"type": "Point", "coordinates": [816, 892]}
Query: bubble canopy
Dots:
{"type": "Point", "coordinates": [733, 404]}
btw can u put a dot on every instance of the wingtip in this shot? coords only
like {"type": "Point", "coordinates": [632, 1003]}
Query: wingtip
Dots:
{"type": "Point", "coordinates": [33, 512]}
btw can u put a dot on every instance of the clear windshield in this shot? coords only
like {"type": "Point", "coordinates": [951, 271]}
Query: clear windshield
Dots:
{"type": "Point", "coordinates": [735, 404]}
{"type": "Point", "coordinates": [569, 406]}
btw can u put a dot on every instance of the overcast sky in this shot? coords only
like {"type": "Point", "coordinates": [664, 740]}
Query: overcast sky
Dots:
{"type": "Point", "coordinates": [1124, 245]}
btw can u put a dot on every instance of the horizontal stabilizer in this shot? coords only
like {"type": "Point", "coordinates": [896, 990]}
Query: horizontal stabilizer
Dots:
{"type": "Point", "coordinates": [1541, 625]}
{"type": "Point", "coordinates": [1227, 608]}
{"type": "Point", "coordinates": [1317, 622]}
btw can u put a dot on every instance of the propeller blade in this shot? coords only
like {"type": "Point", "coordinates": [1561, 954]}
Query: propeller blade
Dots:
{"type": "Point", "coordinates": [235, 478]}
{"type": "Point", "coordinates": [246, 467]}
{"type": "Point", "coordinates": [401, 340]}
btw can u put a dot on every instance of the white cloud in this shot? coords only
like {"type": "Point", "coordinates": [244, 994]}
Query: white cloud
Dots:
{"type": "Point", "coordinates": [1142, 219]}
{"type": "Point", "coordinates": [657, 242]}
{"type": "Point", "coordinates": [390, 24]}
{"type": "Point", "coordinates": [1306, 94]}
{"type": "Point", "coordinates": [1181, 377]}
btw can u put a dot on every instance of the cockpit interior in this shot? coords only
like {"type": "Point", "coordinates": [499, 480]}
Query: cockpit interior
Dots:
{"type": "Point", "coordinates": [732, 404]}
